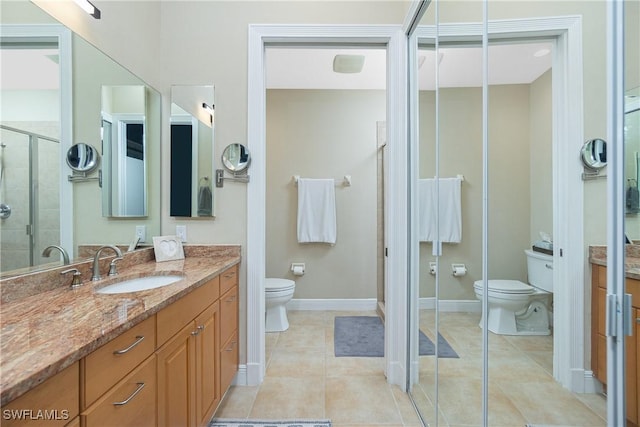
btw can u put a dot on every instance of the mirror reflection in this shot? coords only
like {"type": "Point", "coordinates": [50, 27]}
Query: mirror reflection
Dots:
{"type": "Point", "coordinates": [35, 141]}
{"type": "Point", "coordinates": [632, 159]}
{"type": "Point", "coordinates": [124, 183]}
{"type": "Point", "coordinates": [594, 154]}
{"type": "Point", "coordinates": [236, 158]}
{"type": "Point", "coordinates": [82, 157]}
{"type": "Point", "coordinates": [192, 143]}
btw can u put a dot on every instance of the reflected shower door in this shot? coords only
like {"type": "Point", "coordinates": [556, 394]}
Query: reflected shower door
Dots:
{"type": "Point", "coordinates": [30, 187]}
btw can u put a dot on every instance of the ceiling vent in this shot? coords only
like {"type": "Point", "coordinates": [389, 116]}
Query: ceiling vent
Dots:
{"type": "Point", "coordinates": [348, 63]}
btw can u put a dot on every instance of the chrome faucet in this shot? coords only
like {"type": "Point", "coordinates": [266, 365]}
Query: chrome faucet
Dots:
{"type": "Point", "coordinates": [112, 267]}
{"type": "Point", "coordinates": [47, 252]}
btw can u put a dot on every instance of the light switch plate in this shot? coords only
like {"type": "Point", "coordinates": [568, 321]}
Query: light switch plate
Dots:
{"type": "Point", "coordinates": [141, 232]}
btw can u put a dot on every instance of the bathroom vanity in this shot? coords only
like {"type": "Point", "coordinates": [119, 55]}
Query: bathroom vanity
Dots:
{"type": "Point", "coordinates": [158, 357]}
{"type": "Point", "coordinates": [598, 325]}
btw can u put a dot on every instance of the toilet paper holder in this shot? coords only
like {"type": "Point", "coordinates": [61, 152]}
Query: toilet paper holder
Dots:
{"type": "Point", "coordinates": [297, 268]}
{"type": "Point", "coordinates": [458, 270]}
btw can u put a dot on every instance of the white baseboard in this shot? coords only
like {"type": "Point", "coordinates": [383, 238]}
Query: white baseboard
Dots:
{"type": "Point", "coordinates": [590, 383]}
{"type": "Point", "coordinates": [361, 304]}
{"type": "Point", "coordinates": [464, 306]}
{"type": "Point", "coordinates": [241, 376]}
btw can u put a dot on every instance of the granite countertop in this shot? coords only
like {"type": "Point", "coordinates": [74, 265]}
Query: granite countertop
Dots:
{"type": "Point", "coordinates": [598, 256]}
{"type": "Point", "coordinates": [42, 334]}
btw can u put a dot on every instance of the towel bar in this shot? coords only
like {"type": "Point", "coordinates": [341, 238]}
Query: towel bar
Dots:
{"type": "Point", "coordinates": [346, 181]}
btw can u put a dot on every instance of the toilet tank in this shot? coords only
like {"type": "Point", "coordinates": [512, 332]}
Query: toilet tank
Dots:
{"type": "Point", "coordinates": [540, 270]}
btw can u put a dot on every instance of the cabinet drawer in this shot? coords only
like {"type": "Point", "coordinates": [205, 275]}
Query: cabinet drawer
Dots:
{"type": "Point", "coordinates": [59, 396]}
{"type": "Point", "coordinates": [228, 314]}
{"type": "Point", "coordinates": [108, 364]}
{"type": "Point", "coordinates": [174, 317]}
{"type": "Point", "coordinates": [132, 402]}
{"type": "Point", "coordinates": [228, 362]}
{"type": "Point", "coordinates": [228, 279]}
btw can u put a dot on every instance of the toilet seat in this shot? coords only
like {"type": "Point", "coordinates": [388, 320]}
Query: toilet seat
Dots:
{"type": "Point", "coordinates": [506, 287]}
{"type": "Point", "coordinates": [278, 285]}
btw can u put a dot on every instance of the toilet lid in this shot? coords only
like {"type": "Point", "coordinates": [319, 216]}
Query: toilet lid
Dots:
{"type": "Point", "coordinates": [506, 286]}
{"type": "Point", "coordinates": [271, 285]}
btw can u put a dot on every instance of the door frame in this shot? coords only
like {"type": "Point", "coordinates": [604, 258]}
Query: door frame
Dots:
{"type": "Point", "coordinates": [393, 38]}
{"type": "Point", "coordinates": [64, 36]}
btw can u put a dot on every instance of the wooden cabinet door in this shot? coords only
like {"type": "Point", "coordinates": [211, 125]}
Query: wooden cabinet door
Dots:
{"type": "Point", "coordinates": [207, 364]}
{"type": "Point", "coordinates": [176, 385]}
{"type": "Point", "coordinates": [53, 403]}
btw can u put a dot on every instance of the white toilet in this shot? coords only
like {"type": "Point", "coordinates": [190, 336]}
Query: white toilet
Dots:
{"type": "Point", "coordinates": [517, 308]}
{"type": "Point", "coordinates": [278, 292]}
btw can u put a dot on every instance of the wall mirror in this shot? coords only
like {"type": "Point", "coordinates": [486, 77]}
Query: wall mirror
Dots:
{"type": "Point", "coordinates": [192, 147]}
{"type": "Point", "coordinates": [632, 161]}
{"type": "Point", "coordinates": [82, 158]}
{"type": "Point", "coordinates": [66, 214]}
{"type": "Point", "coordinates": [124, 178]}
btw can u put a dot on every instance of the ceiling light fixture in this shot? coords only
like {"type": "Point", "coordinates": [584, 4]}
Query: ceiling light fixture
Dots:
{"type": "Point", "coordinates": [348, 64]}
{"type": "Point", "coordinates": [209, 110]}
{"type": "Point", "coordinates": [88, 7]}
{"type": "Point", "coordinates": [542, 52]}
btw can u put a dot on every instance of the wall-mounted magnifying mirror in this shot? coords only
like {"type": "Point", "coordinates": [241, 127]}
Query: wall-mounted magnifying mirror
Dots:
{"type": "Point", "coordinates": [594, 154]}
{"type": "Point", "coordinates": [83, 158]}
{"type": "Point", "coordinates": [192, 141]}
{"type": "Point", "coordinates": [236, 158]}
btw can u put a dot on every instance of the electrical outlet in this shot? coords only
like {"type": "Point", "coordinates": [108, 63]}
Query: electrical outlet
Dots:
{"type": "Point", "coordinates": [141, 232]}
{"type": "Point", "coordinates": [181, 232]}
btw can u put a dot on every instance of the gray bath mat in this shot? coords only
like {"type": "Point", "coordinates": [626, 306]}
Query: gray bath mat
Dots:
{"type": "Point", "coordinates": [363, 336]}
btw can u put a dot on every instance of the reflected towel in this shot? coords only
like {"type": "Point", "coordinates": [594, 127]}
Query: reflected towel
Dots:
{"type": "Point", "coordinates": [205, 201]}
{"type": "Point", "coordinates": [316, 210]}
{"type": "Point", "coordinates": [450, 222]}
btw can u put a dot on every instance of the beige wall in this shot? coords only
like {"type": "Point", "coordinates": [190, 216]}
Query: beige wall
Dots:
{"type": "Point", "coordinates": [324, 134]}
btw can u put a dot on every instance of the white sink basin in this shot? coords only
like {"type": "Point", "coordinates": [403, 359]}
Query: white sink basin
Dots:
{"type": "Point", "coordinates": [139, 284]}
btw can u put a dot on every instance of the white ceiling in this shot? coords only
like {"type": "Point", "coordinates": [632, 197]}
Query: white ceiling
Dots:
{"type": "Point", "coordinates": [312, 68]}
{"type": "Point", "coordinates": [29, 69]}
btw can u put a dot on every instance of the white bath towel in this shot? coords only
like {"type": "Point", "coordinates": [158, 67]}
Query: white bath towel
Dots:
{"type": "Point", "coordinates": [450, 221]}
{"type": "Point", "coordinates": [316, 210]}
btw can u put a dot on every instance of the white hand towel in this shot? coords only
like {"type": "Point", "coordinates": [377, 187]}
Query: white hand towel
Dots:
{"type": "Point", "coordinates": [450, 221]}
{"type": "Point", "coordinates": [316, 210]}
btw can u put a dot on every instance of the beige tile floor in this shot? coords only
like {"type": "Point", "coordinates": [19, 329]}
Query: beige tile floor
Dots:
{"type": "Point", "coordinates": [304, 380]}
